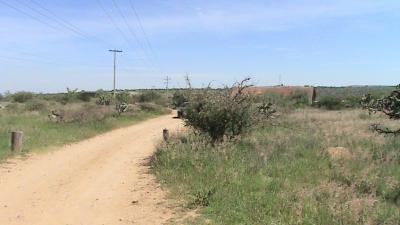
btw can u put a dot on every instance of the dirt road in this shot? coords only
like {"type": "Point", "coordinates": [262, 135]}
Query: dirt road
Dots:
{"type": "Point", "coordinates": [98, 181]}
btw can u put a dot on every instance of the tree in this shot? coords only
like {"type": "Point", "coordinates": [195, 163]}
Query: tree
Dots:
{"type": "Point", "coordinates": [388, 105]}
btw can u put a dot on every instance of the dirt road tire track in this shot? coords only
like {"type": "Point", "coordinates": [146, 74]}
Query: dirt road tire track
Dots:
{"type": "Point", "coordinates": [102, 180]}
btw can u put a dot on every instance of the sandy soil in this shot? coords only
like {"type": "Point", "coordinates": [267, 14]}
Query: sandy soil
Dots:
{"type": "Point", "coordinates": [102, 180]}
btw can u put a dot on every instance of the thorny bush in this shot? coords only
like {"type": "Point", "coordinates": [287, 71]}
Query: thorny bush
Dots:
{"type": "Point", "coordinates": [389, 105]}
{"type": "Point", "coordinates": [225, 113]}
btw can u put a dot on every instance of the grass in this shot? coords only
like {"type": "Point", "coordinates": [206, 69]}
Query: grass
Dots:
{"type": "Point", "coordinates": [285, 175]}
{"type": "Point", "coordinates": [40, 133]}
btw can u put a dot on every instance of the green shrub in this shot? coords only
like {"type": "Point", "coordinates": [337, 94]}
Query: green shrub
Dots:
{"type": "Point", "coordinates": [70, 96]}
{"type": "Point", "coordinates": [36, 105]}
{"type": "Point", "coordinates": [124, 97]}
{"type": "Point", "coordinates": [85, 96]}
{"type": "Point", "coordinates": [223, 113]}
{"type": "Point", "coordinates": [22, 96]}
{"type": "Point", "coordinates": [299, 98]}
{"type": "Point", "coordinates": [103, 97]}
{"type": "Point", "coordinates": [202, 198]}
{"type": "Point", "coordinates": [178, 98]}
{"type": "Point", "coordinates": [285, 104]}
{"type": "Point", "coordinates": [330, 103]}
{"type": "Point", "coordinates": [148, 96]}
{"type": "Point", "coordinates": [351, 101]}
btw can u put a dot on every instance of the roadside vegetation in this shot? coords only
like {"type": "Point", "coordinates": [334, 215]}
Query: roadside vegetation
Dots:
{"type": "Point", "coordinates": [337, 98]}
{"type": "Point", "coordinates": [49, 120]}
{"type": "Point", "coordinates": [299, 165]}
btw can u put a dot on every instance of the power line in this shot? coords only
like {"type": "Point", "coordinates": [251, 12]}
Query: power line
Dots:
{"type": "Point", "coordinates": [38, 12]}
{"type": "Point", "coordinates": [133, 33]}
{"type": "Point", "coordinates": [147, 39]}
{"type": "Point", "coordinates": [50, 18]}
{"type": "Point", "coordinates": [141, 27]}
{"type": "Point", "coordinates": [131, 30]}
{"type": "Point", "coordinates": [29, 15]}
{"type": "Point", "coordinates": [110, 17]}
{"type": "Point", "coordinates": [113, 21]}
{"type": "Point", "coordinates": [67, 23]}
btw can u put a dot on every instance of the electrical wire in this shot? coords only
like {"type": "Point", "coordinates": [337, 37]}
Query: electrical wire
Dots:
{"type": "Point", "coordinates": [114, 22]}
{"type": "Point", "coordinates": [133, 33]}
{"type": "Point", "coordinates": [29, 15]}
{"type": "Point", "coordinates": [141, 27]}
{"type": "Point", "coordinates": [67, 23]}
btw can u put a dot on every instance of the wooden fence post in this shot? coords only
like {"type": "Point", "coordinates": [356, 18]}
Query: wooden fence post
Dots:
{"type": "Point", "coordinates": [165, 134]}
{"type": "Point", "coordinates": [16, 141]}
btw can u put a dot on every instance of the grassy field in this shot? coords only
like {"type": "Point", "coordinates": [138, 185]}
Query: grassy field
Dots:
{"type": "Point", "coordinates": [40, 133]}
{"type": "Point", "coordinates": [83, 117]}
{"type": "Point", "coordinates": [314, 167]}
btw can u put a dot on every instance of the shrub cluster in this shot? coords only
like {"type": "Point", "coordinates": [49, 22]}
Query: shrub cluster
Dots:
{"type": "Point", "coordinates": [85, 96]}
{"type": "Point", "coordinates": [149, 96]}
{"type": "Point", "coordinates": [22, 96]}
{"type": "Point", "coordinates": [330, 103]}
{"type": "Point", "coordinates": [224, 113]}
{"type": "Point", "coordinates": [36, 105]}
{"type": "Point", "coordinates": [298, 99]}
{"type": "Point", "coordinates": [178, 98]}
{"type": "Point", "coordinates": [124, 97]}
{"type": "Point", "coordinates": [103, 97]}
{"type": "Point", "coordinates": [86, 112]}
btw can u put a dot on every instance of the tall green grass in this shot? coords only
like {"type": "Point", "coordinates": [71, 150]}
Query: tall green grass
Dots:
{"type": "Point", "coordinates": [284, 175]}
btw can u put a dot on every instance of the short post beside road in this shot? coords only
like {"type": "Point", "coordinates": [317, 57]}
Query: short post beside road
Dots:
{"type": "Point", "coordinates": [16, 141]}
{"type": "Point", "coordinates": [165, 134]}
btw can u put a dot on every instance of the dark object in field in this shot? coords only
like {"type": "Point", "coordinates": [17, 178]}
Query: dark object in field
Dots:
{"type": "Point", "coordinates": [182, 110]}
{"type": "Point", "coordinates": [55, 117]}
{"type": "Point", "coordinates": [165, 134]}
{"type": "Point", "coordinates": [16, 141]}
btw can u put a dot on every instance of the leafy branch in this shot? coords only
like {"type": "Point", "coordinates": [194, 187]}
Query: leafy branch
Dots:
{"type": "Point", "coordinates": [388, 105]}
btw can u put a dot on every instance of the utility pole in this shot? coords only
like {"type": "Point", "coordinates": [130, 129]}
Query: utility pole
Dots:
{"type": "Point", "coordinates": [166, 82]}
{"type": "Point", "coordinates": [188, 83]}
{"type": "Point", "coordinates": [115, 51]}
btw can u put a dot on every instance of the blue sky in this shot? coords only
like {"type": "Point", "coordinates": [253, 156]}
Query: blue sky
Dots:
{"type": "Point", "coordinates": [315, 42]}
